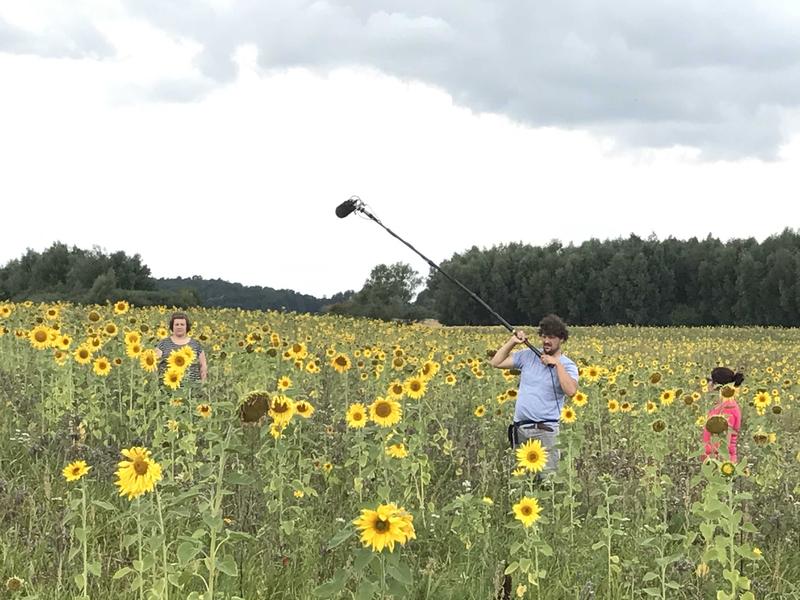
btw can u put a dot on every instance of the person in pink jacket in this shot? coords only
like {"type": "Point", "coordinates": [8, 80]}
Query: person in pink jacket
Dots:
{"type": "Point", "coordinates": [726, 407]}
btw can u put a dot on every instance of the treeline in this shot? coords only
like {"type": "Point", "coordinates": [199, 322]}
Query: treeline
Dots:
{"type": "Point", "coordinates": [85, 276]}
{"type": "Point", "coordinates": [223, 294]}
{"type": "Point", "coordinates": [95, 277]}
{"type": "Point", "coordinates": [634, 281]}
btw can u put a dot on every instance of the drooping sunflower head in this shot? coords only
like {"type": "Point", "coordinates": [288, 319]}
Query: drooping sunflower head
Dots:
{"type": "Point", "coordinates": [204, 410]}
{"type": "Point", "coordinates": [659, 426]}
{"type": "Point", "coordinates": [717, 424]}
{"type": "Point", "coordinates": [254, 407]}
{"type": "Point", "coordinates": [727, 391]}
{"type": "Point", "coordinates": [655, 377]}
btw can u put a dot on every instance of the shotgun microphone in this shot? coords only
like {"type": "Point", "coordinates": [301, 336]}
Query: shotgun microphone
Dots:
{"type": "Point", "coordinates": [348, 206]}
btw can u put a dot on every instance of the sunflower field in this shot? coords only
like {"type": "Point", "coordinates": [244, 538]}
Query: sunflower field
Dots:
{"type": "Point", "coordinates": [328, 457]}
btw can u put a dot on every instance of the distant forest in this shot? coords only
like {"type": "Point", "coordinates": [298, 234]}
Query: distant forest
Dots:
{"type": "Point", "coordinates": [632, 281]}
{"type": "Point", "coordinates": [628, 281]}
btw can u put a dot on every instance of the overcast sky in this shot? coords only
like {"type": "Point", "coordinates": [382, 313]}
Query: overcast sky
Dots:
{"type": "Point", "coordinates": [216, 138]}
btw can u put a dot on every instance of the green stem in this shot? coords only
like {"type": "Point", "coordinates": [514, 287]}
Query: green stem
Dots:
{"type": "Point", "coordinates": [85, 543]}
{"type": "Point", "coordinates": [163, 545]}
{"type": "Point", "coordinates": [139, 535]}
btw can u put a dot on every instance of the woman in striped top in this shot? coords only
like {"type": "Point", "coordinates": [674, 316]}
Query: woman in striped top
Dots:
{"type": "Point", "coordinates": [179, 326]}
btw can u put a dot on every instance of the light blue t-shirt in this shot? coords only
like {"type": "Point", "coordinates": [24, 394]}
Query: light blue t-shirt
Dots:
{"type": "Point", "coordinates": [540, 396]}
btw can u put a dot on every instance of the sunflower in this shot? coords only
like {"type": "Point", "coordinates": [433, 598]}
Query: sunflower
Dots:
{"type": "Point", "coordinates": [5, 311]}
{"type": "Point", "coordinates": [385, 412]}
{"type": "Point", "coordinates": [298, 351]}
{"type": "Point", "coordinates": [75, 470]}
{"type": "Point", "coordinates": [532, 456]}
{"type": "Point", "coordinates": [172, 378]}
{"type": "Point", "coordinates": [655, 377]}
{"type": "Point", "coordinates": [82, 355]}
{"type": "Point", "coordinates": [148, 360]}
{"type": "Point", "coordinates": [450, 379]}
{"type": "Point", "coordinates": [39, 337]}
{"type": "Point", "coordinates": [110, 329]}
{"type": "Point", "coordinates": [93, 316]}
{"type": "Point", "coordinates": [717, 424]}
{"type": "Point", "coordinates": [591, 373]}
{"type": "Point", "coordinates": [356, 416]}
{"type": "Point", "coordinates": [613, 406]}
{"type": "Point", "coordinates": [479, 411]}
{"type": "Point", "coordinates": [568, 415]}
{"type": "Point", "coordinates": [667, 397]}
{"type": "Point", "coordinates": [415, 387]}
{"type": "Point", "coordinates": [761, 400]}
{"type": "Point", "coordinates": [63, 342]}
{"type": "Point", "coordinates": [121, 307]}
{"type": "Point", "coordinates": [384, 527]}
{"type": "Point", "coordinates": [133, 350]}
{"type": "Point", "coordinates": [651, 407]}
{"type": "Point", "coordinates": [727, 468]}
{"type": "Point", "coordinates": [137, 475]}
{"type": "Point", "coordinates": [340, 363]}
{"type": "Point", "coordinates": [527, 511]}
{"type": "Point", "coordinates": [203, 410]}
{"type": "Point", "coordinates": [52, 313]}
{"type": "Point", "coordinates": [284, 383]}
{"type": "Point", "coordinates": [255, 406]}
{"type": "Point", "coordinates": [189, 353]}
{"type": "Point", "coordinates": [396, 390]}
{"type": "Point", "coordinates": [101, 366]}
{"type": "Point", "coordinates": [397, 450]}
{"type": "Point", "coordinates": [14, 584]}
{"type": "Point", "coordinates": [659, 426]}
{"type": "Point", "coordinates": [626, 407]}
{"type": "Point", "coordinates": [429, 369]}
{"type": "Point", "coordinates": [281, 409]}
{"type": "Point", "coordinates": [304, 409]}
{"type": "Point", "coordinates": [177, 361]}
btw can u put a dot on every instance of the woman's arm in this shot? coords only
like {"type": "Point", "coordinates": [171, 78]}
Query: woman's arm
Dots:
{"type": "Point", "coordinates": [203, 366]}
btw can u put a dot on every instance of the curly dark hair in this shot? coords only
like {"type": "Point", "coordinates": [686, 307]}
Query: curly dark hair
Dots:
{"type": "Point", "coordinates": [554, 326]}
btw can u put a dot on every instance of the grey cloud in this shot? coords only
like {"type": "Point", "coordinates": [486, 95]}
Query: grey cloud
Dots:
{"type": "Point", "coordinates": [716, 76]}
{"type": "Point", "coordinates": [79, 39]}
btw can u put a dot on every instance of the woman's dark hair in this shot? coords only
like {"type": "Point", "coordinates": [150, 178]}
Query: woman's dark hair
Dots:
{"type": "Point", "coordinates": [180, 315]}
{"type": "Point", "coordinates": [724, 375]}
{"type": "Point", "coordinates": [554, 326]}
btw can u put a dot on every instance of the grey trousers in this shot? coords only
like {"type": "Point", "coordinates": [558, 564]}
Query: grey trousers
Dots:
{"type": "Point", "coordinates": [549, 440]}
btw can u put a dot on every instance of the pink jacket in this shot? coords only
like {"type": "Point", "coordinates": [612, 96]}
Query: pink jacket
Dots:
{"type": "Point", "coordinates": [729, 409]}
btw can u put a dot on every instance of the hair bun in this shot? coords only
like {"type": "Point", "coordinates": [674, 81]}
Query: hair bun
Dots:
{"type": "Point", "coordinates": [738, 378]}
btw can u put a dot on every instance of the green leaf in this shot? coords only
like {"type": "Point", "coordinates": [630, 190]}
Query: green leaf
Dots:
{"type": "Point", "coordinates": [104, 505]}
{"type": "Point", "coordinates": [79, 581]}
{"type": "Point", "coordinates": [649, 576]}
{"type": "Point", "coordinates": [598, 545]}
{"type": "Point", "coordinates": [122, 572]}
{"type": "Point", "coordinates": [651, 591]}
{"type": "Point", "coordinates": [228, 566]}
{"type": "Point", "coordinates": [747, 596]}
{"type": "Point", "coordinates": [186, 552]}
{"type": "Point", "coordinates": [511, 568]}
{"type": "Point", "coordinates": [240, 479]}
{"type": "Point", "coordinates": [94, 568]}
{"type": "Point", "coordinates": [332, 587]}
{"type": "Point", "coordinates": [401, 573]}
{"type": "Point", "coordinates": [707, 529]}
{"type": "Point", "coordinates": [364, 556]}
{"type": "Point", "coordinates": [80, 534]}
{"type": "Point", "coordinates": [340, 537]}
{"type": "Point", "coordinates": [366, 590]}
{"type": "Point", "coordinates": [288, 527]}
